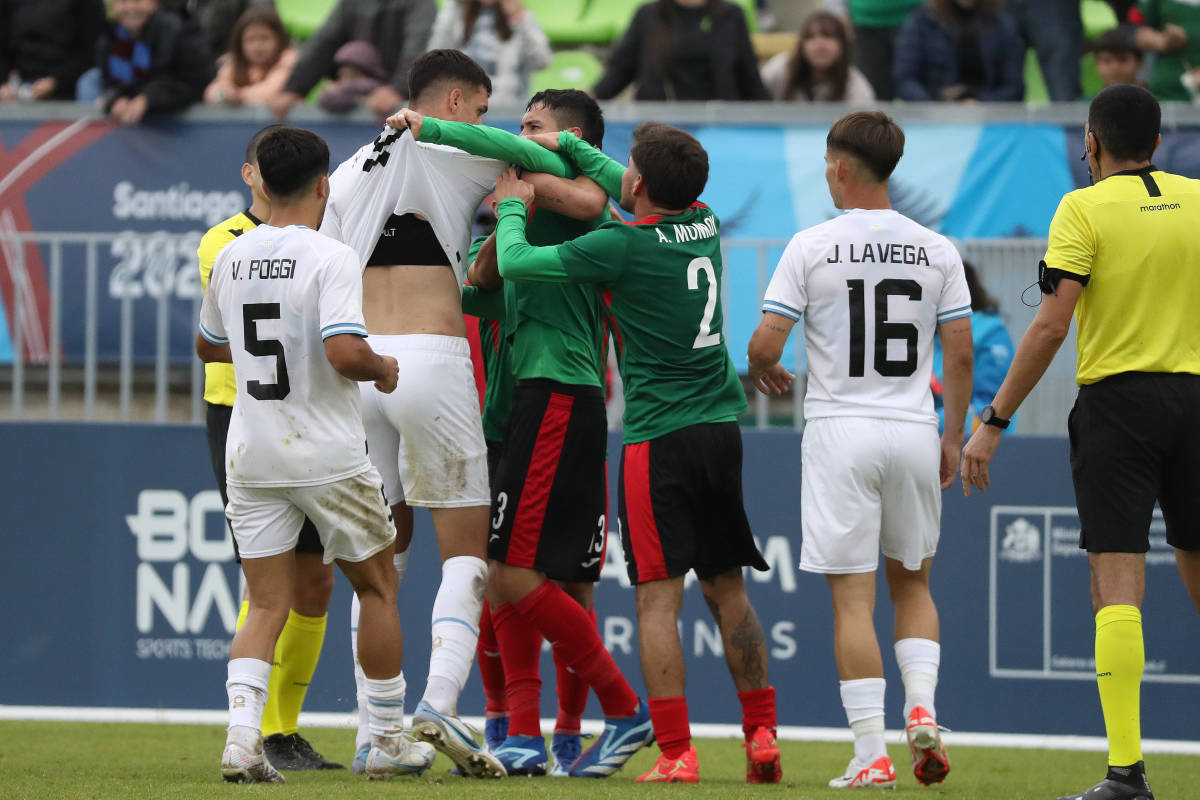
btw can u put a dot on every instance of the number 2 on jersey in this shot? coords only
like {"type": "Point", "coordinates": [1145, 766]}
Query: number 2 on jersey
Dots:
{"type": "Point", "coordinates": [884, 330]}
{"type": "Point", "coordinates": [251, 314]}
{"type": "Point", "coordinates": [705, 338]}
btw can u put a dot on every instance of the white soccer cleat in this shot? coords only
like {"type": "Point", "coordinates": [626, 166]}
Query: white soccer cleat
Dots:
{"type": "Point", "coordinates": [242, 764]}
{"type": "Point", "coordinates": [453, 737]}
{"type": "Point", "coordinates": [880, 774]}
{"type": "Point", "coordinates": [400, 756]}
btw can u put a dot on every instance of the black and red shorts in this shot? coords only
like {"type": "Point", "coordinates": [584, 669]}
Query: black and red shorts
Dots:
{"type": "Point", "coordinates": [550, 496]}
{"type": "Point", "coordinates": [681, 505]}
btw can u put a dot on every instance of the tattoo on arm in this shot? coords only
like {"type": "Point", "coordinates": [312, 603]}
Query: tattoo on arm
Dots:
{"type": "Point", "coordinates": [771, 326]}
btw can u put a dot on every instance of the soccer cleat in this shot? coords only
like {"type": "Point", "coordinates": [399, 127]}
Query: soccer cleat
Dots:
{"type": "Point", "coordinates": [880, 774]}
{"type": "Point", "coordinates": [566, 748]}
{"type": "Point", "coordinates": [685, 769]}
{"type": "Point", "coordinates": [929, 761]}
{"type": "Point", "coordinates": [402, 756]}
{"type": "Point", "coordinates": [240, 764]}
{"type": "Point", "coordinates": [293, 751]}
{"type": "Point", "coordinates": [495, 731]}
{"type": "Point", "coordinates": [359, 765]}
{"type": "Point", "coordinates": [523, 755]}
{"type": "Point", "coordinates": [1119, 785]}
{"type": "Point", "coordinates": [762, 757]}
{"type": "Point", "coordinates": [621, 739]}
{"type": "Point", "coordinates": [452, 736]}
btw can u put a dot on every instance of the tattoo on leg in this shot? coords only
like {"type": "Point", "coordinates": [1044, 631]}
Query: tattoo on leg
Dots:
{"type": "Point", "coordinates": [749, 642]}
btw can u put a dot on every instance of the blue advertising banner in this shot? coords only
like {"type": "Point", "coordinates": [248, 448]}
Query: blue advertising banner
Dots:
{"type": "Point", "coordinates": [121, 591]}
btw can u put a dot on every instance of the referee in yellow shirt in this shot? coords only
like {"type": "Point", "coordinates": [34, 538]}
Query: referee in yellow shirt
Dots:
{"type": "Point", "coordinates": [300, 643]}
{"type": "Point", "coordinates": [1124, 256]}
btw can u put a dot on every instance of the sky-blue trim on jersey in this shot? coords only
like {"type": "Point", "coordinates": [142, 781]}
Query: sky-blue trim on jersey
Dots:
{"type": "Point", "coordinates": [779, 308]}
{"type": "Point", "coordinates": [342, 327]}
{"type": "Point", "coordinates": [211, 337]}
{"type": "Point", "coordinates": [954, 314]}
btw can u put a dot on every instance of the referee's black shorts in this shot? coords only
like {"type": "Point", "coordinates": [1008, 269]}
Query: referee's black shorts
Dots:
{"type": "Point", "coordinates": [1135, 439]}
{"type": "Point", "coordinates": [216, 426]}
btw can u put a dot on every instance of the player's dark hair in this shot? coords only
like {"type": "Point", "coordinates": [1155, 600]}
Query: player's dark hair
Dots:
{"type": "Point", "coordinates": [290, 159]}
{"type": "Point", "coordinates": [444, 65]}
{"type": "Point", "coordinates": [870, 136]}
{"type": "Point", "coordinates": [980, 299]}
{"type": "Point", "coordinates": [1118, 41]}
{"type": "Point", "coordinates": [572, 108]}
{"type": "Point", "coordinates": [252, 145]}
{"type": "Point", "coordinates": [673, 164]}
{"type": "Point", "coordinates": [1126, 119]}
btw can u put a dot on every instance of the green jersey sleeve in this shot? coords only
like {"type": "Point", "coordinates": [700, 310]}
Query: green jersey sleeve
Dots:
{"type": "Point", "coordinates": [595, 257]}
{"type": "Point", "coordinates": [488, 142]}
{"type": "Point", "coordinates": [593, 163]}
{"type": "Point", "coordinates": [485, 305]}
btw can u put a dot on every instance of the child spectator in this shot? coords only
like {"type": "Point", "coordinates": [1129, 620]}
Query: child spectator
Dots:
{"type": "Point", "coordinates": [685, 50]}
{"type": "Point", "coordinates": [258, 63]}
{"type": "Point", "coordinates": [1117, 59]}
{"type": "Point", "coordinates": [1172, 30]}
{"type": "Point", "coordinates": [45, 45]}
{"type": "Point", "coordinates": [502, 36]}
{"type": "Point", "coordinates": [358, 72]}
{"type": "Point", "coordinates": [819, 69]}
{"type": "Point", "coordinates": [150, 62]}
{"type": "Point", "coordinates": [960, 50]}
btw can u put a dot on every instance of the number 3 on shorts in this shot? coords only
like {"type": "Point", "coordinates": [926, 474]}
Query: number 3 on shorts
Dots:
{"type": "Point", "coordinates": [705, 338]}
{"type": "Point", "coordinates": [501, 505]}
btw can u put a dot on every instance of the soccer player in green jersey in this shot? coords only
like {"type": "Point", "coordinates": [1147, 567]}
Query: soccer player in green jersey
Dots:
{"type": "Point", "coordinates": [680, 498]}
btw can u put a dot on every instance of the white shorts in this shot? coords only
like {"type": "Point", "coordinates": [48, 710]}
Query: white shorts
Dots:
{"type": "Point", "coordinates": [351, 517]}
{"type": "Point", "coordinates": [426, 438]}
{"type": "Point", "coordinates": [868, 485]}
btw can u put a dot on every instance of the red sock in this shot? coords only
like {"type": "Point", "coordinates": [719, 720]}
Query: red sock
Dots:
{"type": "Point", "coordinates": [671, 729]}
{"type": "Point", "coordinates": [567, 626]}
{"type": "Point", "coordinates": [758, 710]}
{"type": "Point", "coordinates": [491, 667]}
{"type": "Point", "coordinates": [572, 693]}
{"type": "Point", "coordinates": [520, 649]}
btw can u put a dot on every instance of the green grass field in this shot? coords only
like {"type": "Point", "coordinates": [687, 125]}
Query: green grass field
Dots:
{"type": "Point", "coordinates": [158, 762]}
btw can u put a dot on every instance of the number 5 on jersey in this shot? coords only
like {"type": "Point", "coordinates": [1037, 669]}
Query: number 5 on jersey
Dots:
{"type": "Point", "coordinates": [251, 314]}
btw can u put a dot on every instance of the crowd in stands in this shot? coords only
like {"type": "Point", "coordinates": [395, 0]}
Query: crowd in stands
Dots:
{"type": "Point", "coordinates": [135, 57]}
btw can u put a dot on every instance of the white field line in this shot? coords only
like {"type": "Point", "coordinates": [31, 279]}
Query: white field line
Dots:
{"type": "Point", "coordinates": [317, 719]}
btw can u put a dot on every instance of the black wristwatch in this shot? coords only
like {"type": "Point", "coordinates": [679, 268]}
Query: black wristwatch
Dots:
{"type": "Point", "coordinates": [988, 417]}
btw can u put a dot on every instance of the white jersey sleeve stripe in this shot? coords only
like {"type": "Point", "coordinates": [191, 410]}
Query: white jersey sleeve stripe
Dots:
{"type": "Point", "coordinates": [954, 313]}
{"type": "Point", "coordinates": [781, 309]}
{"type": "Point", "coordinates": [211, 337]}
{"type": "Point", "coordinates": [337, 328]}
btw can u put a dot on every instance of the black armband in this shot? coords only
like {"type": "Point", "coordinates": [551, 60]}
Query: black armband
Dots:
{"type": "Point", "coordinates": [1049, 278]}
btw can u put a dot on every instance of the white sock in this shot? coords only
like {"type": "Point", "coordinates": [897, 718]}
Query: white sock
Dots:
{"type": "Point", "coordinates": [918, 660]}
{"type": "Point", "coordinates": [455, 631]}
{"type": "Point", "coordinates": [863, 701]}
{"type": "Point", "coordinates": [400, 560]}
{"type": "Point", "coordinates": [362, 737]}
{"type": "Point", "coordinates": [385, 705]}
{"type": "Point", "coordinates": [247, 690]}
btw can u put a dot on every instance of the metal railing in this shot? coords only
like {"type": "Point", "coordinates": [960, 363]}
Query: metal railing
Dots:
{"type": "Point", "coordinates": [163, 384]}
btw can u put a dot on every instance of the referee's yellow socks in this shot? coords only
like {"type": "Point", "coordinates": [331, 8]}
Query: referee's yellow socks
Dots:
{"type": "Point", "coordinates": [296, 654]}
{"type": "Point", "coordinates": [1120, 659]}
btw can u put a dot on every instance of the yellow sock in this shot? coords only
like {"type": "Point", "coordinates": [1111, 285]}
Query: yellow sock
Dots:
{"type": "Point", "coordinates": [1120, 659]}
{"type": "Point", "coordinates": [296, 654]}
{"type": "Point", "coordinates": [245, 609]}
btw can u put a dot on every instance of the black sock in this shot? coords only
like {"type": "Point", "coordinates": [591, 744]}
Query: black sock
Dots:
{"type": "Point", "coordinates": [1133, 775]}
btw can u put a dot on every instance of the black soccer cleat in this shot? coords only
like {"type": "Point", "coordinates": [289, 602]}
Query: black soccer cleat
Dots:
{"type": "Point", "coordinates": [293, 752]}
{"type": "Point", "coordinates": [1121, 783]}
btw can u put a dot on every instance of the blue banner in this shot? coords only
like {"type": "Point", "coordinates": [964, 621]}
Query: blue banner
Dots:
{"type": "Point", "coordinates": [117, 551]}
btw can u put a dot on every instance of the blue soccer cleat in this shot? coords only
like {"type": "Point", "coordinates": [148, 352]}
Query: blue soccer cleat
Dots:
{"type": "Point", "coordinates": [523, 755]}
{"type": "Point", "coordinates": [495, 731]}
{"type": "Point", "coordinates": [566, 748]}
{"type": "Point", "coordinates": [621, 739]}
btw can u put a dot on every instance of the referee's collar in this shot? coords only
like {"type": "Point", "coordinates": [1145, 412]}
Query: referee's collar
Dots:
{"type": "Point", "coordinates": [1142, 171]}
{"type": "Point", "coordinates": [258, 221]}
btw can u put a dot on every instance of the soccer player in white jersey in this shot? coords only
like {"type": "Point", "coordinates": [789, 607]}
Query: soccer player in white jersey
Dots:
{"type": "Point", "coordinates": [873, 287]}
{"type": "Point", "coordinates": [284, 306]}
{"type": "Point", "coordinates": [406, 207]}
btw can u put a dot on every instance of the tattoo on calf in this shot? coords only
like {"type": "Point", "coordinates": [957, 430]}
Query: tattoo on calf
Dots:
{"type": "Point", "coordinates": [748, 640]}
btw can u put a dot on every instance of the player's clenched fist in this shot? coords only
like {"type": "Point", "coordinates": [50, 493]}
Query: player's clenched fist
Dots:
{"type": "Point", "coordinates": [406, 118]}
{"type": "Point", "coordinates": [389, 374]}
{"type": "Point", "coordinates": [509, 185]}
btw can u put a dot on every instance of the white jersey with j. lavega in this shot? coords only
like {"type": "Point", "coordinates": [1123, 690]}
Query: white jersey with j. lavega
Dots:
{"type": "Point", "coordinates": [274, 297]}
{"type": "Point", "coordinates": [872, 286]}
{"type": "Point", "coordinates": [396, 174]}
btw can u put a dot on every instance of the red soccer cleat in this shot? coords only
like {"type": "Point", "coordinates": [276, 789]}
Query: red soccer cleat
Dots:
{"type": "Point", "coordinates": [930, 763]}
{"type": "Point", "coordinates": [685, 769]}
{"type": "Point", "coordinates": [762, 757]}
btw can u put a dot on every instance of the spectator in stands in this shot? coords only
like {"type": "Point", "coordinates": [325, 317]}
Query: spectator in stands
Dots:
{"type": "Point", "coordinates": [45, 45]}
{"type": "Point", "coordinates": [502, 36]}
{"type": "Point", "coordinates": [960, 51]}
{"type": "Point", "coordinates": [359, 72]}
{"type": "Point", "coordinates": [399, 31]}
{"type": "Point", "coordinates": [150, 61]}
{"type": "Point", "coordinates": [258, 63]}
{"type": "Point", "coordinates": [875, 25]}
{"type": "Point", "coordinates": [1171, 29]}
{"type": "Point", "coordinates": [1054, 29]}
{"type": "Point", "coordinates": [819, 68]}
{"type": "Point", "coordinates": [685, 50]}
{"type": "Point", "coordinates": [1117, 58]}
{"type": "Point", "coordinates": [217, 19]}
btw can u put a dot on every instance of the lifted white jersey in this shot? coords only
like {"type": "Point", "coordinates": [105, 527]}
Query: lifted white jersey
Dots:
{"type": "Point", "coordinates": [274, 297]}
{"type": "Point", "coordinates": [396, 174]}
{"type": "Point", "coordinates": [872, 286]}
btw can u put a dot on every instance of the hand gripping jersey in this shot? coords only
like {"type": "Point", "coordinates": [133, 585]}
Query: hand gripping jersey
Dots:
{"type": "Point", "coordinates": [873, 286]}
{"type": "Point", "coordinates": [274, 296]}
